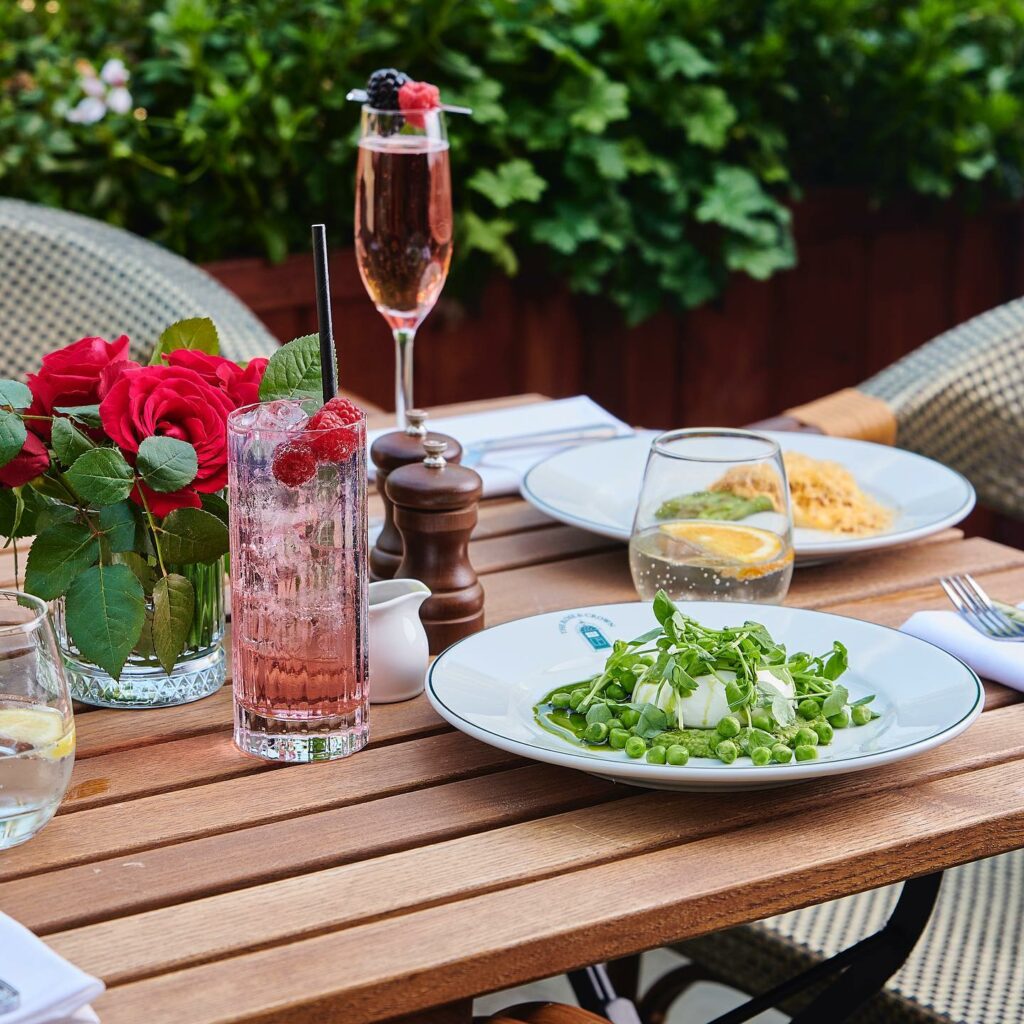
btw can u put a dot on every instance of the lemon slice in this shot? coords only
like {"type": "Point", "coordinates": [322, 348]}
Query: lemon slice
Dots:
{"type": "Point", "coordinates": [747, 545]}
{"type": "Point", "coordinates": [44, 728]}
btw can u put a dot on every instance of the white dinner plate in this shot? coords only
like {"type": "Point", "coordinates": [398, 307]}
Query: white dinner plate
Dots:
{"type": "Point", "coordinates": [596, 487]}
{"type": "Point", "coordinates": [487, 686]}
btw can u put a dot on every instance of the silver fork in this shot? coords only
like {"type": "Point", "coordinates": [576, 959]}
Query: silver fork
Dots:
{"type": "Point", "coordinates": [978, 609]}
{"type": "Point", "coordinates": [10, 998]}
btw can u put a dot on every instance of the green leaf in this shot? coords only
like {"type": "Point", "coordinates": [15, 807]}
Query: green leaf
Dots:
{"type": "Point", "coordinates": [167, 464]}
{"type": "Point", "coordinates": [68, 441]}
{"type": "Point", "coordinates": [490, 236]}
{"type": "Point", "coordinates": [192, 535]}
{"type": "Point", "coordinates": [293, 371]}
{"type": "Point", "coordinates": [673, 56]}
{"type": "Point", "coordinates": [87, 414]}
{"type": "Point", "coordinates": [705, 114]}
{"type": "Point", "coordinates": [104, 610]}
{"type": "Point", "coordinates": [118, 524]}
{"type": "Point", "coordinates": [782, 711]}
{"type": "Point", "coordinates": [173, 608]}
{"type": "Point", "coordinates": [197, 334]}
{"type": "Point", "coordinates": [101, 476]}
{"type": "Point", "coordinates": [215, 505]}
{"type": "Point", "coordinates": [17, 515]}
{"type": "Point", "coordinates": [835, 701]}
{"type": "Point", "coordinates": [57, 556]}
{"type": "Point", "coordinates": [12, 436]}
{"type": "Point", "coordinates": [15, 394]}
{"type": "Point", "coordinates": [508, 183]}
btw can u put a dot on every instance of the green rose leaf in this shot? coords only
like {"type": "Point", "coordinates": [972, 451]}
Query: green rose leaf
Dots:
{"type": "Point", "coordinates": [167, 464]}
{"type": "Point", "coordinates": [57, 556]}
{"type": "Point", "coordinates": [173, 607]}
{"type": "Point", "coordinates": [104, 611]}
{"type": "Point", "coordinates": [192, 535]}
{"type": "Point", "coordinates": [101, 476]}
{"type": "Point", "coordinates": [15, 394]}
{"type": "Point", "coordinates": [198, 334]}
{"type": "Point", "coordinates": [68, 441]}
{"type": "Point", "coordinates": [87, 414]}
{"type": "Point", "coordinates": [12, 435]}
{"type": "Point", "coordinates": [16, 518]}
{"type": "Point", "coordinates": [293, 371]}
{"type": "Point", "coordinates": [118, 524]}
{"type": "Point", "coordinates": [215, 505]}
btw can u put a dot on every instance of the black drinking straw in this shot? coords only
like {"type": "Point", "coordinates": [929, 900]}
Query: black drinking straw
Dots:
{"type": "Point", "coordinates": [328, 359]}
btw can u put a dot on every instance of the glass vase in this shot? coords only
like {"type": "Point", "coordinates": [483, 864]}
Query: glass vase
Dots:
{"type": "Point", "coordinates": [199, 671]}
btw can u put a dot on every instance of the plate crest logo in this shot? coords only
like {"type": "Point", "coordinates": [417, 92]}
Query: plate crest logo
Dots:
{"type": "Point", "coordinates": [588, 628]}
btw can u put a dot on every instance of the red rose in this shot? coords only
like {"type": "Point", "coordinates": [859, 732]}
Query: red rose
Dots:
{"type": "Point", "coordinates": [71, 376]}
{"type": "Point", "coordinates": [29, 463]}
{"type": "Point", "coordinates": [242, 386]}
{"type": "Point", "coordinates": [170, 401]}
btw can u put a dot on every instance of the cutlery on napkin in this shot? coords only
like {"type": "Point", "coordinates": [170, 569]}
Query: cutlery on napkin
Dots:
{"type": "Point", "coordinates": [50, 990]}
{"type": "Point", "coordinates": [991, 659]}
{"type": "Point", "coordinates": [504, 442]}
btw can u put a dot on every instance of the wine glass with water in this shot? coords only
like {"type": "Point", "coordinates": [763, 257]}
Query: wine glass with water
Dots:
{"type": "Point", "coordinates": [403, 224]}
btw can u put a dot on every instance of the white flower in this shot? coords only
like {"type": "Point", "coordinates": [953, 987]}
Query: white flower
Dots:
{"type": "Point", "coordinates": [119, 100]}
{"type": "Point", "coordinates": [88, 111]}
{"type": "Point", "coordinates": [114, 73]}
{"type": "Point", "coordinates": [92, 86]}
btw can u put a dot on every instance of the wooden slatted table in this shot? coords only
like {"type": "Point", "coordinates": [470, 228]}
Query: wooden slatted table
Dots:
{"type": "Point", "coordinates": [205, 886]}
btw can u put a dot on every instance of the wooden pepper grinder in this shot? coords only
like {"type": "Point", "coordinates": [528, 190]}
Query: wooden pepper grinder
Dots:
{"type": "Point", "coordinates": [390, 452]}
{"type": "Point", "coordinates": [435, 510]}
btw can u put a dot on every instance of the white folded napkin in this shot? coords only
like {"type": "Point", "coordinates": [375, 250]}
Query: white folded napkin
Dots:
{"type": "Point", "coordinates": [502, 471]}
{"type": "Point", "coordinates": [52, 990]}
{"type": "Point", "coordinates": [999, 660]}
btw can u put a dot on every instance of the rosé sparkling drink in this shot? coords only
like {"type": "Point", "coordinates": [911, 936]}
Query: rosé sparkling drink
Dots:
{"type": "Point", "coordinates": [298, 583]}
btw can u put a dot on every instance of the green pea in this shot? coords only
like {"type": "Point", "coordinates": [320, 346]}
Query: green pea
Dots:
{"type": "Point", "coordinates": [617, 739]}
{"type": "Point", "coordinates": [596, 732]}
{"type": "Point", "coordinates": [576, 698]}
{"type": "Point", "coordinates": [781, 753]}
{"type": "Point", "coordinates": [560, 699]}
{"type": "Point", "coordinates": [728, 727]}
{"type": "Point", "coordinates": [628, 682]}
{"type": "Point", "coordinates": [727, 751]}
{"type": "Point", "coordinates": [677, 754]}
{"type": "Point", "coordinates": [805, 737]}
{"type": "Point", "coordinates": [656, 755]}
{"type": "Point", "coordinates": [614, 723]}
{"type": "Point", "coordinates": [762, 720]}
{"type": "Point", "coordinates": [840, 720]}
{"type": "Point", "coordinates": [629, 717]}
{"type": "Point", "coordinates": [824, 731]}
{"type": "Point", "coordinates": [808, 708]}
{"type": "Point", "coordinates": [861, 714]}
{"type": "Point", "coordinates": [805, 752]}
{"type": "Point", "coordinates": [636, 746]}
{"type": "Point", "coordinates": [614, 692]}
{"type": "Point", "coordinates": [761, 756]}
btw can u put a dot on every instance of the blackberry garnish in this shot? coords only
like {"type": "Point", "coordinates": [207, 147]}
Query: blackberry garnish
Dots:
{"type": "Point", "coordinates": [382, 88]}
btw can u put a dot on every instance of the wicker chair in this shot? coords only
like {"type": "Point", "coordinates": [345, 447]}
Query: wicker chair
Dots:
{"type": "Point", "coordinates": [958, 399]}
{"type": "Point", "coordinates": [64, 276]}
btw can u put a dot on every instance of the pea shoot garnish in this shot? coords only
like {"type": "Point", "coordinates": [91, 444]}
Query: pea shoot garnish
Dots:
{"type": "Point", "coordinates": [685, 690]}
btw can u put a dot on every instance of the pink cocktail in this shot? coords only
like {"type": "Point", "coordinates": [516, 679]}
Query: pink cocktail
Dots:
{"type": "Point", "coordinates": [298, 583]}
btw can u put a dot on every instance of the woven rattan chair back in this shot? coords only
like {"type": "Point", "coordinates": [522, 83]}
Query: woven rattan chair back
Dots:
{"type": "Point", "coordinates": [64, 276]}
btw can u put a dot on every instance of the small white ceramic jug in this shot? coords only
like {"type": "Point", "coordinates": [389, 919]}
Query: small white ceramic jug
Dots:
{"type": "Point", "coordinates": [398, 641]}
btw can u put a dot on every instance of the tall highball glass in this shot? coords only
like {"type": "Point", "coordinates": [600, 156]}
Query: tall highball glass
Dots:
{"type": "Point", "coordinates": [403, 224]}
{"type": "Point", "coordinates": [37, 728]}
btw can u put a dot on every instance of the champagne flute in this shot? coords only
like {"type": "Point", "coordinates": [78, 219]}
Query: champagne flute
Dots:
{"type": "Point", "coordinates": [403, 224]}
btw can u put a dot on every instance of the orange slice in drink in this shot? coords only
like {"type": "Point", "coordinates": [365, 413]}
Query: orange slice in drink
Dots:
{"type": "Point", "coordinates": [729, 542]}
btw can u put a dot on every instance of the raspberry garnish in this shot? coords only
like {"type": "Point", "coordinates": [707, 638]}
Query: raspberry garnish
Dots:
{"type": "Point", "coordinates": [338, 441]}
{"type": "Point", "coordinates": [294, 462]}
{"type": "Point", "coordinates": [416, 97]}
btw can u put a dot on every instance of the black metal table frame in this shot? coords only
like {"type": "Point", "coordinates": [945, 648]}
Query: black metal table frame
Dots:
{"type": "Point", "coordinates": [863, 969]}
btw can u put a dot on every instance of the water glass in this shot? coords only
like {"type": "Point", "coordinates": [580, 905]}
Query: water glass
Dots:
{"type": "Point", "coordinates": [37, 728]}
{"type": "Point", "coordinates": [713, 522]}
{"type": "Point", "coordinates": [299, 580]}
